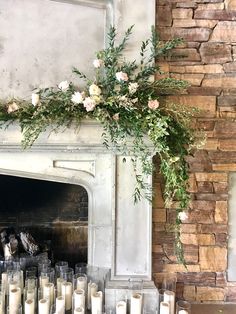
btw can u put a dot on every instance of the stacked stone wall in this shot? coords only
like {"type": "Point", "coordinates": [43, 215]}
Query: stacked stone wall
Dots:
{"type": "Point", "coordinates": [207, 59]}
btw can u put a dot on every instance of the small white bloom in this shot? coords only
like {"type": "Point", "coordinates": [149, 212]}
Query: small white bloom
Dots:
{"type": "Point", "coordinates": [64, 85]}
{"type": "Point", "coordinates": [35, 99]}
{"type": "Point", "coordinates": [12, 107]}
{"type": "Point", "coordinates": [153, 104]}
{"type": "Point", "coordinates": [122, 76]}
{"type": "Point", "coordinates": [116, 116]}
{"type": "Point", "coordinates": [89, 104]}
{"type": "Point", "coordinates": [94, 90]}
{"type": "Point", "coordinates": [183, 216]}
{"type": "Point", "coordinates": [133, 87]}
{"type": "Point", "coordinates": [77, 98]}
{"type": "Point", "coordinates": [97, 63]}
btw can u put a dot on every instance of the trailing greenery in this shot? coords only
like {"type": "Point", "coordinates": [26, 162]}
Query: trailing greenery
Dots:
{"type": "Point", "coordinates": [126, 99]}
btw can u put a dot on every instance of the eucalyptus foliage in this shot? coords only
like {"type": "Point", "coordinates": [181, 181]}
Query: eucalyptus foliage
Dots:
{"type": "Point", "coordinates": [126, 99]}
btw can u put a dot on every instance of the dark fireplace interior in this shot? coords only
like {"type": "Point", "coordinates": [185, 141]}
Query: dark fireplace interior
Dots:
{"type": "Point", "coordinates": [55, 214]}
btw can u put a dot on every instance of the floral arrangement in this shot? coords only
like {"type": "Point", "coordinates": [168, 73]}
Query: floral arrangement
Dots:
{"type": "Point", "coordinates": [124, 97]}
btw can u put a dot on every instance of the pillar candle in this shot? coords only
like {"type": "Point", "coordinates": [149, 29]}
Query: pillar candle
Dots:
{"type": "Point", "coordinates": [43, 280]}
{"type": "Point", "coordinates": [79, 298]}
{"type": "Point", "coordinates": [66, 291]}
{"type": "Point", "coordinates": [30, 294]}
{"type": "Point", "coordinates": [79, 310]}
{"type": "Point", "coordinates": [13, 285]}
{"type": "Point", "coordinates": [48, 293]}
{"type": "Point", "coordinates": [164, 308]}
{"type": "Point", "coordinates": [92, 288]}
{"type": "Point", "coordinates": [121, 307]}
{"type": "Point", "coordinates": [59, 282]}
{"type": "Point", "coordinates": [96, 302]}
{"type": "Point", "coordinates": [29, 306]}
{"type": "Point", "coordinates": [60, 305]}
{"type": "Point", "coordinates": [43, 306]}
{"type": "Point", "coordinates": [183, 312]}
{"type": "Point", "coordinates": [81, 283]}
{"type": "Point", "coordinates": [136, 304]}
{"type": "Point", "coordinates": [169, 296]}
{"type": "Point", "coordinates": [5, 281]}
{"type": "Point", "coordinates": [14, 299]}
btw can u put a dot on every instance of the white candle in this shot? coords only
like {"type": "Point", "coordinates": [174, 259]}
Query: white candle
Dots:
{"type": "Point", "coordinates": [183, 312]}
{"type": "Point", "coordinates": [136, 304]}
{"type": "Point", "coordinates": [43, 306]}
{"type": "Point", "coordinates": [29, 306]}
{"type": "Point", "coordinates": [81, 283]}
{"type": "Point", "coordinates": [59, 282]}
{"type": "Point", "coordinates": [92, 288]}
{"type": "Point", "coordinates": [43, 280]}
{"type": "Point", "coordinates": [30, 294]}
{"type": "Point", "coordinates": [79, 310]}
{"type": "Point", "coordinates": [13, 285]}
{"type": "Point", "coordinates": [5, 281]}
{"type": "Point", "coordinates": [60, 305]}
{"type": "Point", "coordinates": [14, 299]}
{"type": "Point", "coordinates": [121, 307]}
{"type": "Point", "coordinates": [48, 293]}
{"type": "Point", "coordinates": [79, 298]}
{"type": "Point", "coordinates": [164, 308]}
{"type": "Point", "coordinates": [169, 296]}
{"type": "Point", "coordinates": [66, 291]}
{"type": "Point", "coordinates": [96, 301]}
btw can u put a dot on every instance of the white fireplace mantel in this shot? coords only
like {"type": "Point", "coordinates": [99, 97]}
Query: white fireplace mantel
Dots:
{"type": "Point", "coordinates": [119, 231]}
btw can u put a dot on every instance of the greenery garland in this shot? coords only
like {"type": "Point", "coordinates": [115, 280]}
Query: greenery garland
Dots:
{"type": "Point", "coordinates": [129, 103]}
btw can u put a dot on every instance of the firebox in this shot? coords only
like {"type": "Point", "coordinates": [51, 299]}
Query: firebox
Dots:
{"type": "Point", "coordinates": [55, 214]}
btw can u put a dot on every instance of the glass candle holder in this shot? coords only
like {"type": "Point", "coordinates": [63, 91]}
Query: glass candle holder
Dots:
{"type": "Point", "coordinates": [16, 310]}
{"type": "Point", "coordinates": [47, 276]}
{"type": "Point", "coordinates": [44, 265]}
{"type": "Point", "coordinates": [169, 281]}
{"type": "Point", "coordinates": [60, 266]}
{"type": "Point", "coordinates": [80, 281]}
{"type": "Point", "coordinates": [67, 274]}
{"type": "Point", "coordinates": [183, 307]}
{"type": "Point", "coordinates": [81, 268]}
{"type": "Point", "coordinates": [31, 272]}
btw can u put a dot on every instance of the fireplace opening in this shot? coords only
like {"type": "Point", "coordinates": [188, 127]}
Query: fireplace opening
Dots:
{"type": "Point", "coordinates": [55, 214]}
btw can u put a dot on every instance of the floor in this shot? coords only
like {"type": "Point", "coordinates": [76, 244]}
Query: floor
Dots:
{"type": "Point", "coordinates": [213, 308]}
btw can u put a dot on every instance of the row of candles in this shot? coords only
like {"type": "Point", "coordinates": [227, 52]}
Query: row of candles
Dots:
{"type": "Point", "coordinates": [59, 290]}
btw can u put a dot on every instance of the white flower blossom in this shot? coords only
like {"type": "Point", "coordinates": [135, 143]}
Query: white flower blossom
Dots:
{"type": "Point", "coordinates": [122, 76]}
{"type": "Point", "coordinates": [89, 104]}
{"type": "Point", "coordinates": [12, 107]}
{"type": "Point", "coordinates": [133, 88]}
{"type": "Point", "coordinates": [94, 90]}
{"type": "Point", "coordinates": [35, 99]}
{"type": "Point", "coordinates": [97, 63]}
{"type": "Point", "coordinates": [64, 85]}
{"type": "Point", "coordinates": [77, 98]}
{"type": "Point", "coordinates": [116, 116]}
{"type": "Point", "coordinates": [183, 216]}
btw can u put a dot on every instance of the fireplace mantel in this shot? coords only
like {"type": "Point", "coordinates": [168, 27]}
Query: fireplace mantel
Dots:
{"type": "Point", "coordinates": [79, 157]}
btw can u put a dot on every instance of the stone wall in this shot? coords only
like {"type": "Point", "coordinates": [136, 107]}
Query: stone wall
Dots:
{"type": "Point", "coordinates": [209, 64]}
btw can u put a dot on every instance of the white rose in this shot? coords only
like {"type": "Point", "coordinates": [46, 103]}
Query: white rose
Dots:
{"type": "Point", "coordinates": [77, 98]}
{"type": "Point", "coordinates": [122, 76]}
{"type": "Point", "coordinates": [97, 63]}
{"type": "Point", "coordinates": [12, 107]}
{"type": "Point", "coordinates": [183, 216]}
{"type": "Point", "coordinates": [64, 85]}
{"type": "Point", "coordinates": [89, 104]}
{"type": "Point", "coordinates": [35, 99]}
{"type": "Point", "coordinates": [153, 104]}
{"type": "Point", "coordinates": [94, 90]}
{"type": "Point", "coordinates": [133, 87]}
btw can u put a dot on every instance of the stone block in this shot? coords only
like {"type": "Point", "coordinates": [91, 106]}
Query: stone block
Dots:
{"type": "Point", "coordinates": [212, 176]}
{"type": "Point", "coordinates": [193, 35]}
{"type": "Point", "coordinates": [205, 187]}
{"type": "Point", "coordinates": [215, 53]}
{"type": "Point", "coordinates": [229, 67]}
{"type": "Point", "coordinates": [163, 237]}
{"type": "Point", "coordinates": [222, 239]}
{"type": "Point", "coordinates": [218, 157]}
{"type": "Point", "coordinates": [213, 228]}
{"type": "Point", "coordinates": [188, 228]}
{"type": "Point", "coordinates": [224, 167]}
{"type": "Point", "coordinates": [188, 238]}
{"type": "Point", "coordinates": [192, 184]}
{"type": "Point", "coordinates": [158, 200]}
{"type": "Point", "coordinates": [211, 6]}
{"type": "Point", "coordinates": [164, 16]}
{"type": "Point", "coordinates": [187, 4]}
{"type": "Point", "coordinates": [210, 294]}
{"type": "Point", "coordinates": [209, 68]}
{"type": "Point", "coordinates": [186, 54]}
{"type": "Point", "coordinates": [173, 268]}
{"type": "Point", "coordinates": [230, 4]}
{"type": "Point", "coordinates": [225, 31]}
{"type": "Point", "coordinates": [225, 81]}
{"type": "Point", "coordinates": [182, 13]}
{"type": "Point", "coordinates": [159, 215]}
{"type": "Point", "coordinates": [206, 239]}
{"type": "Point", "coordinates": [190, 253]}
{"type": "Point", "coordinates": [204, 91]}
{"type": "Point", "coordinates": [189, 293]}
{"type": "Point", "coordinates": [227, 144]}
{"type": "Point", "coordinates": [200, 279]}
{"type": "Point", "coordinates": [211, 144]}
{"type": "Point", "coordinates": [203, 205]}
{"type": "Point", "coordinates": [221, 280]}
{"type": "Point", "coordinates": [201, 217]}
{"type": "Point", "coordinates": [207, 104]}
{"type": "Point", "coordinates": [177, 69]}
{"type": "Point", "coordinates": [211, 196]}
{"type": "Point", "coordinates": [194, 23]}
{"type": "Point", "coordinates": [220, 187]}
{"type": "Point", "coordinates": [213, 259]}
{"type": "Point", "coordinates": [207, 125]}
{"type": "Point", "coordinates": [220, 15]}
{"type": "Point", "coordinates": [226, 101]}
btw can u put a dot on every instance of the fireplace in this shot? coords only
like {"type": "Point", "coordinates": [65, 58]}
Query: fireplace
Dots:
{"type": "Point", "coordinates": [55, 214]}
